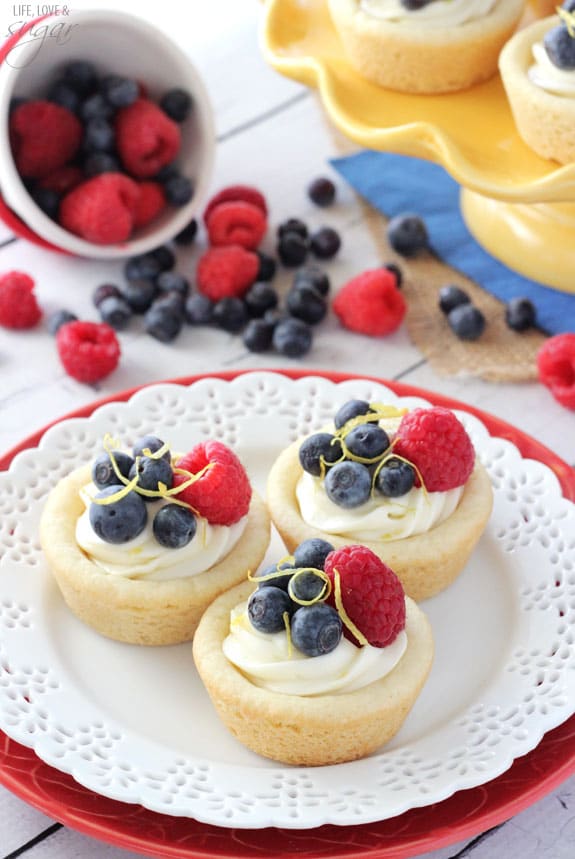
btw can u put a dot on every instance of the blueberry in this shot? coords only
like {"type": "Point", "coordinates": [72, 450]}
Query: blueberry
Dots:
{"type": "Point", "coordinates": [96, 163]}
{"type": "Point", "coordinates": [350, 409]}
{"type": "Point", "coordinates": [292, 338]}
{"type": "Point", "coordinates": [121, 520]}
{"type": "Point", "coordinates": [275, 581]}
{"type": "Point", "coordinates": [151, 472]}
{"type": "Point", "coordinates": [230, 314]}
{"type": "Point", "coordinates": [312, 275]}
{"type": "Point", "coordinates": [317, 448]}
{"type": "Point", "coordinates": [306, 303]}
{"type": "Point", "coordinates": [95, 107]}
{"type": "Point", "coordinates": [258, 335]}
{"type": "Point", "coordinates": [105, 290]}
{"type": "Point", "coordinates": [407, 235]}
{"type": "Point", "coordinates": [452, 296]}
{"type": "Point", "coordinates": [348, 484]}
{"type": "Point", "coordinates": [173, 301]}
{"type": "Point", "coordinates": [560, 47]}
{"type": "Point", "coordinates": [520, 314]}
{"type": "Point", "coordinates": [266, 609]}
{"type": "Point", "coordinates": [119, 91]}
{"type": "Point", "coordinates": [116, 312]}
{"type": "Point", "coordinates": [305, 587]}
{"type": "Point", "coordinates": [163, 322]}
{"type": "Point", "coordinates": [165, 257]}
{"type": "Point", "coordinates": [177, 104]}
{"type": "Point", "coordinates": [396, 272]}
{"type": "Point", "coordinates": [321, 191]}
{"type": "Point", "coordinates": [174, 526]}
{"type": "Point", "coordinates": [152, 444]}
{"type": "Point", "coordinates": [99, 136]}
{"type": "Point", "coordinates": [274, 316]}
{"type": "Point", "coordinates": [415, 4]}
{"type": "Point", "coordinates": [63, 94]}
{"type": "Point", "coordinates": [144, 266]}
{"type": "Point", "coordinates": [292, 249]}
{"type": "Point", "coordinates": [199, 309]}
{"type": "Point", "coordinates": [325, 243]}
{"type": "Point", "coordinates": [188, 234]}
{"type": "Point", "coordinates": [316, 629]}
{"type": "Point", "coordinates": [179, 190]}
{"type": "Point", "coordinates": [568, 5]}
{"type": "Point", "coordinates": [466, 321]}
{"type": "Point", "coordinates": [103, 472]}
{"type": "Point", "coordinates": [59, 318]}
{"type": "Point", "coordinates": [47, 200]}
{"type": "Point", "coordinates": [169, 281]}
{"type": "Point", "coordinates": [259, 298]}
{"type": "Point", "coordinates": [267, 267]}
{"type": "Point", "coordinates": [312, 553]}
{"type": "Point", "coordinates": [81, 75]}
{"type": "Point", "coordinates": [15, 102]}
{"type": "Point", "coordinates": [140, 294]}
{"type": "Point", "coordinates": [367, 441]}
{"type": "Point", "coordinates": [395, 478]}
{"type": "Point", "coordinates": [168, 171]}
{"type": "Point", "coordinates": [293, 225]}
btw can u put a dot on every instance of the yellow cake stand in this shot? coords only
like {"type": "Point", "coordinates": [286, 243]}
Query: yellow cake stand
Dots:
{"type": "Point", "coordinates": [519, 206]}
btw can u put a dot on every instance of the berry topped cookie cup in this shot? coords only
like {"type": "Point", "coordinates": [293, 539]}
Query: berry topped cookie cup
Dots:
{"type": "Point", "coordinates": [141, 542]}
{"type": "Point", "coordinates": [322, 662]}
{"type": "Point", "coordinates": [407, 484]}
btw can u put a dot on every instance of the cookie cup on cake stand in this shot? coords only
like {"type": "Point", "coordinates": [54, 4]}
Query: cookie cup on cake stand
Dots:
{"type": "Point", "coordinates": [410, 57]}
{"type": "Point", "coordinates": [544, 120]}
{"type": "Point", "coordinates": [131, 610]}
{"type": "Point", "coordinates": [303, 730]}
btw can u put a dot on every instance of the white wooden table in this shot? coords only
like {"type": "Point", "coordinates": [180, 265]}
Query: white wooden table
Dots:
{"type": "Point", "coordinates": [271, 133]}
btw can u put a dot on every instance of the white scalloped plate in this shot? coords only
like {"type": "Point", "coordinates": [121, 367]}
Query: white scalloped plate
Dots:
{"type": "Point", "coordinates": [136, 725]}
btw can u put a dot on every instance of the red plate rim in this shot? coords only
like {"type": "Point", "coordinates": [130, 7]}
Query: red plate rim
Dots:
{"type": "Point", "coordinates": [463, 815]}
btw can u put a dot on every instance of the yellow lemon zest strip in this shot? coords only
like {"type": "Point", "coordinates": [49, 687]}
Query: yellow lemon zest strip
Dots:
{"type": "Point", "coordinates": [117, 496]}
{"type": "Point", "coordinates": [323, 594]}
{"type": "Point", "coordinates": [285, 616]}
{"type": "Point", "coordinates": [156, 454]}
{"type": "Point", "coordinates": [568, 19]}
{"type": "Point", "coordinates": [342, 612]}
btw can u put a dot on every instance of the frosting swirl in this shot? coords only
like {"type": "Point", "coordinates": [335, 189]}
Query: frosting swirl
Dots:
{"type": "Point", "coordinates": [547, 76]}
{"type": "Point", "coordinates": [436, 14]}
{"type": "Point", "coordinates": [265, 660]}
{"type": "Point", "coordinates": [145, 559]}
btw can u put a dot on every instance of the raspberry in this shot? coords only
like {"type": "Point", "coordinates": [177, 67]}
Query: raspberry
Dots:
{"type": "Point", "coordinates": [371, 593]}
{"type": "Point", "coordinates": [371, 303]}
{"type": "Point", "coordinates": [226, 272]}
{"type": "Point", "coordinates": [146, 138]}
{"type": "Point", "coordinates": [150, 203]}
{"type": "Point", "coordinates": [223, 494]}
{"type": "Point", "coordinates": [556, 366]}
{"type": "Point", "coordinates": [44, 137]}
{"type": "Point", "coordinates": [63, 179]}
{"type": "Point", "coordinates": [436, 443]}
{"type": "Point", "coordinates": [237, 194]}
{"type": "Point", "coordinates": [18, 305]}
{"type": "Point", "coordinates": [89, 351]}
{"type": "Point", "coordinates": [236, 224]}
{"type": "Point", "coordinates": [101, 210]}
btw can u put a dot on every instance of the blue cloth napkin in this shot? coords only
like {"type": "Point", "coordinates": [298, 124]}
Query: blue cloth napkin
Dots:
{"type": "Point", "coordinates": [394, 184]}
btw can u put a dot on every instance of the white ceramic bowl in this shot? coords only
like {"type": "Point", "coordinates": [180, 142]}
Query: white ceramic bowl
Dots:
{"type": "Point", "coordinates": [117, 43]}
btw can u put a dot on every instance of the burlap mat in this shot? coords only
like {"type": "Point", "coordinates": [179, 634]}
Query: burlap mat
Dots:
{"type": "Point", "coordinates": [500, 354]}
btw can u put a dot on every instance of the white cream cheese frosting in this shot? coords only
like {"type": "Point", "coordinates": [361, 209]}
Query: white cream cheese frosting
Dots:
{"type": "Point", "coordinates": [380, 518]}
{"type": "Point", "coordinates": [145, 559]}
{"type": "Point", "coordinates": [439, 13]}
{"type": "Point", "coordinates": [547, 76]}
{"type": "Point", "coordinates": [265, 659]}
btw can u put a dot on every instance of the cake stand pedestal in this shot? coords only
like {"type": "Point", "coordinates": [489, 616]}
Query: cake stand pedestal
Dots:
{"type": "Point", "coordinates": [519, 206]}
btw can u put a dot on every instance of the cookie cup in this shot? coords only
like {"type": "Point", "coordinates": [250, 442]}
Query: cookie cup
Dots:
{"type": "Point", "coordinates": [545, 122]}
{"type": "Point", "coordinates": [416, 59]}
{"type": "Point", "coordinates": [131, 610]}
{"type": "Point", "coordinates": [309, 731]}
{"type": "Point", "coordinates": [425, 563]}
